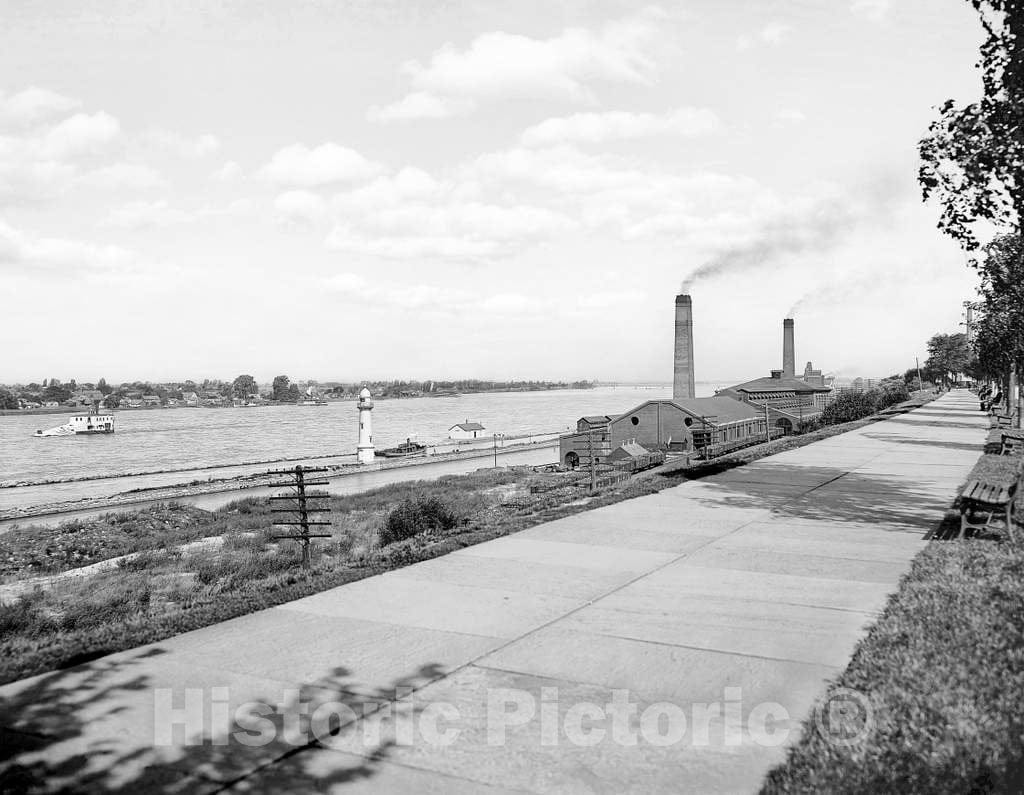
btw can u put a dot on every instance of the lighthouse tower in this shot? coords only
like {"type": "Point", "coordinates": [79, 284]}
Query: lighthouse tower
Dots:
{"type": "Point", "coordinates": [364, 450]}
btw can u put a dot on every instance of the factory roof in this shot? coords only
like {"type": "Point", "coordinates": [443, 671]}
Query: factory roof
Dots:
{"type": "Point", "coordinates": [772, 383]}
{"type": "Point", "coordinates": [596, 419]}
{"type": "Point", "coordinates": [719, 409]}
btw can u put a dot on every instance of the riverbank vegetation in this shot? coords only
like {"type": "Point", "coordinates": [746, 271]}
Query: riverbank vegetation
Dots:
{"type": "Point", "coordinates": [178, 568]}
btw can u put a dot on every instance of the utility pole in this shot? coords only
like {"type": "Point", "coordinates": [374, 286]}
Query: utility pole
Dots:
{"type": "Point", "coordinates": [300, 507]}
{"type": "Point", "coordinates": [767, 427]}
{"type": "Point", "coordinates": [496, 448]}
{"type": "Point", "coordinates": [920, 383]}
{"type": "Point", "coordinates": [593, 466]}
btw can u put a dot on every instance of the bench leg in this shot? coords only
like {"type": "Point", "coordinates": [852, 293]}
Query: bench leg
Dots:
{"type": "Point", "coordinates": [1009, 521]}
{"type": "Point", "coordinates": [963, 522]}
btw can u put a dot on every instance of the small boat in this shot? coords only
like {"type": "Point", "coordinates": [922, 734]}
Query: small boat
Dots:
{"type": "Point", "coordinates": [404, 450]}
{"type": "Point", "coordinates": [84, 424]}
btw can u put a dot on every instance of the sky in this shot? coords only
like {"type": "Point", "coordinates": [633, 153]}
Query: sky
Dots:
{"type": "Point", "coordinates": [385, 189]}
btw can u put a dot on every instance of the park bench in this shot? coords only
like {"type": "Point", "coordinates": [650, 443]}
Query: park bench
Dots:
{"type": "Point", "coordinates": [1002, 421]}
{"type": "Point", "coordinates": [990, 499]}
{"type": "Point", "coordinates": [990, 493]}
{"type": "Point", "coordinates": [1011, 443]}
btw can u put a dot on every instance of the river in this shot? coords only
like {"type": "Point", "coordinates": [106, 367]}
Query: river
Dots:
{"type": "Point", "coordinates": [179, 445]}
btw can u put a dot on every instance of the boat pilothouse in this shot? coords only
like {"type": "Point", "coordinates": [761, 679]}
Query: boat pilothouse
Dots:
{"type": "Point", "coordinates": [82, 424]}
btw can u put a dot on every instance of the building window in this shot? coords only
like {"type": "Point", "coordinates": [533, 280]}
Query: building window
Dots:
{"type": "Point", "coordinates": [688, 422]}
{"type": "Point", "coordinates": [635, 420]}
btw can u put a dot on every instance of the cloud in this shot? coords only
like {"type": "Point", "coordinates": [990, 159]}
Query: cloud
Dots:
{"type": "Point", "coordinates": [419, 105]}
{"type": "Point", "coordinates": [454, 231]}
{"type": "Point", "coordinates": [80, 134]}
{"type": "Point", "coordinates": [785, 117]}
{"type": "Point", "coordinates": [593, 128]}
{"type": "Point", "coordinates": [181, 145]}
{"type": "Point", "coordinates": [500, 65]}
{"type": "Point", "coordinates": [122, 176]}
{"type": "Point", "coordinates": [442, 300]}
{"type": "Point", "coordinates": [775, 32]}
{"type": "Point", "coordinates": [23, 251]}
{"type": "Point", "coordinates": [144, 214]}
{"type": "Point", "coordinates": [301, 167]}
{"type": "Point", "coordinates": [227, 172]}
{"type": "Point", "coordinates": [34, 105]}
{"type": "Point", "coordinates": [873, 10]}
{"type": "Point", "coordinates": [300, 207]}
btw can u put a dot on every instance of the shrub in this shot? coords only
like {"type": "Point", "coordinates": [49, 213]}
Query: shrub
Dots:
{"type": "Point", "coordinates": [111, 601]}
{"type": "Point", "coordinates": [21, 615]}
{"type": "Point", "coordinates": [850, 406]}
{"type": "Point", "coordinates": [414, 516]}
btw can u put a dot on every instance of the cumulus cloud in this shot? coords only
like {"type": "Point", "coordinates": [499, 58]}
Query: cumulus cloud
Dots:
{"type": "Point", "coordinates": [300, 207]}
{"type": "Point", "coordinates": [80, 134]}
{"type": "Point", "coordinates": [24, 251]}
{"type": "Point", "coordinates": [504, 65]}
{"type": "Point", "coordinates": [227, 172]}
{"type": "Point", "coordinates": [419, 105]}
{"type": "Point", "coordinates": [122, 176]}
{"type": "Point", "coordinates": [466, 231]}
{"type": "Point", "coordinates": [33, 106]}
{"type": "Point", "coordinates": [442, 300]}
{"type": "Point", "coordinates": [785, 117]}
{"type": "Point", "coordinates": [302, 167]}
{"type": "Point", "coordinates": [874, 10]}
{"type": "Point", "coordinates": [593, 128]}
{"type": "Point", "coordinates": [181, 145]}
{"type": "Point", "coordinates": [774, 33]}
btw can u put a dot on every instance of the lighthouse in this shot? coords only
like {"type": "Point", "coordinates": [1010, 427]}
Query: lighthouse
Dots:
{"type": "Point", "coordinates": [364, 450]}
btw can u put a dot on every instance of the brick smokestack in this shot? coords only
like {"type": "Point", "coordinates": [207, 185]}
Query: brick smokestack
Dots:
{"type": "Point", "coordinates": [682, 371]}
{"type": "Point", "coordinates": [788, 352]}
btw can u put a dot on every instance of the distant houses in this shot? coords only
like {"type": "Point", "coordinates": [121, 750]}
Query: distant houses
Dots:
{"type": "Point", "coordinates": [466, 430]}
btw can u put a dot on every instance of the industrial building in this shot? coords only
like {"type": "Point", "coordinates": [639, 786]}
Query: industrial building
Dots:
{"type": "Point", "coordinates": [733, 417]}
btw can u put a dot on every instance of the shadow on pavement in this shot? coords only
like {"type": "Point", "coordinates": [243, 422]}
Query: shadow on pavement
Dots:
{"type": "Point", "coordinates": [845, 497]}
{"type": "Point", "coordinates": [49, 741]}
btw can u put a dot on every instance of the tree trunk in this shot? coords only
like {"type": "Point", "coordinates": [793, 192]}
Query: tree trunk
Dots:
{"type": "Point", "coordinates": [1012, 395]}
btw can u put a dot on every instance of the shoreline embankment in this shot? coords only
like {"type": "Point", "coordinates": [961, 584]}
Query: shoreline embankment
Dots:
{"type": "Point", "coordinates": [261, 481]}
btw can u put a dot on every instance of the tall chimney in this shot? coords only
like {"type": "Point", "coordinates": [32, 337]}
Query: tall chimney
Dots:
{"type": "Point", "coordinates": [788, 354]}
{"type": "Point", "coordinates": [682, 371]}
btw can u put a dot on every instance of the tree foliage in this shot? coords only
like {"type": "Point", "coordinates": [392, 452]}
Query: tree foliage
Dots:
{"type": "Point", "coordinates": [244, 386]}
{"type": "Point", "coordinates": [948, 355]}
{"type": "Point", "coordinates": [972, 159]}
{"type": "Point", "coordinates": [280, 387]}
{"type": "Point", "coordinates": [999, 330]}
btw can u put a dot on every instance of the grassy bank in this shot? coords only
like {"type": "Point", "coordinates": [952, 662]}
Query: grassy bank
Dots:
{"type": "Point", "coordinates": [169, 588]}
{"type": "Point", "coordinates": [943, 670]}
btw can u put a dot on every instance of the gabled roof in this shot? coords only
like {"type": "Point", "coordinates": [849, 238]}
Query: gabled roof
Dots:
{"type": "Point", "coordinates": [468, 426]}
{"type": "Point", "coordinates": [719, 409]}
{"type": "Point", "coordinates": [722, 409]}
{"type": "Point", "coordinates": [769, 384]}
{"type": "Point", "coordinates": [632, 449]}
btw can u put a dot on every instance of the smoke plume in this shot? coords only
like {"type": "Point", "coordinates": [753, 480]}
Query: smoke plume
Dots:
{"type": "Point", "coordinates": [815, 227]}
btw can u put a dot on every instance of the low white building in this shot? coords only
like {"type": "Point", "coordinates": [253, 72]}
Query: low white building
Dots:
{"type": "Point", "coordinates": [466, 430]}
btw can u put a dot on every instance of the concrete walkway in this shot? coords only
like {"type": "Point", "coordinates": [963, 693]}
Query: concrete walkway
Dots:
{"type": "Point", "coordinates": [564, 655]}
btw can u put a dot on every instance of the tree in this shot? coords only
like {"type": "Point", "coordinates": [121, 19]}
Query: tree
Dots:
{"type": "Point", "coordinates": [972, 159]}
{"type": "Point", "coordinates": [279, 390]}
{"type": "Point", "coordinates": [243, 386]}
{"type": "Point", "coordinates": [999, 330]}
{"type": "Point", "coordinates": [56, 392]}
{"type": "Point", "coordinates": [102, 386]}
{"type": "Point", "coordinates": [293, 393]}
{"type": "Point", "coordinates": [8, 400]}
{"type": "Point", "coordinates": [948, 355]}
